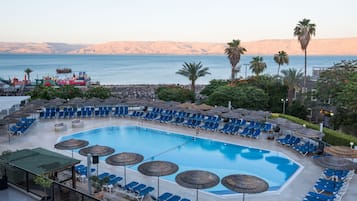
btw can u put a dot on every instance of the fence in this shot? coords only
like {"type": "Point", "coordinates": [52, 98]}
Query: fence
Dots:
{"type": "Point", "coordinates": [56, 192]}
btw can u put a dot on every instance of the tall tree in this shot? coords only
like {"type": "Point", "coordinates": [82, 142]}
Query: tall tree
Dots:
{"type": "Point", "coordinates": [292, 78]}
{"type": "Point", "coordinates": [193, 71]}
{"type": "Point", "coordinates": [28, 71]}
{"type": "Point", "coordinates": [257, 65]}
{"type": "Point", "coordinates": [281, 58]}
{"type": "Point", "coordinates": [233, 51]}
{"type": "Point", "coordinates": [304, 30]}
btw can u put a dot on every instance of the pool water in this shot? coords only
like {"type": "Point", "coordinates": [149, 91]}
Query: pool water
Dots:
{"type": "Point", "coordinates": [194, 153]}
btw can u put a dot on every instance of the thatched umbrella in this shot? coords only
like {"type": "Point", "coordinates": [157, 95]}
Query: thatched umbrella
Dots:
{"type": "Point", "coordinates": [124, 159]}
{"type": "Point", "coordinates": [341, 151]}
{"type": "Point", "coordinates": [197, 179]}
{"type": "Point", "coordinates": [309, 133]}
{"type": "Point", "coordinates": [245, 184]}
{"type": "Point", "coordinates": [334, 162]}
{"type": "Point", "coordinates": [39, 102]}
{"type": "Point", "coordinates": [158, 168]}
{"type": "Point", "coordinates": [71, 144]}
{"type": "Point", "coordinates": [96, 150]}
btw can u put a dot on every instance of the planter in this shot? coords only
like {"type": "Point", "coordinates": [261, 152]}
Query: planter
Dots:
{"type": "Point", "coordinates": [60, 127]}
{"type": "Point", "coordinates": [77, 123]}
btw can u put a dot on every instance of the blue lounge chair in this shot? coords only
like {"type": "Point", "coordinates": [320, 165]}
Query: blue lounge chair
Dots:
{"type": "Point", "coordinates": [174, 198]}
{"type": "Point", "coordinates": [130, 186]}
{"type": "Point", "coordinates": [145, 191]}
{"type": "Point", "coordinates": [164, 196]}
{"type": "Point", "coordinates": [114, 180]}
{"type": "Point", "coordinates": [103, 175]}
{"type": "Point", "coordinates": [138, 188]}
{"type": "Point", "coordinates": [185, 199]}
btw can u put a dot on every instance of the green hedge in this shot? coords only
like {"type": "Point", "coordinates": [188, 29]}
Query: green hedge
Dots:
{"type": "Point", "coordinates": [331, 136]}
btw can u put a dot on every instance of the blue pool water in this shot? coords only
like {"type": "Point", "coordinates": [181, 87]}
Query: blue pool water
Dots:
{"type": "Point", "coordinates": [194, 153]}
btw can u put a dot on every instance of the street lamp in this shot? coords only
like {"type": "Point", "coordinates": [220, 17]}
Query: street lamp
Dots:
{"type": "Point", "coordinates": [284, 100]}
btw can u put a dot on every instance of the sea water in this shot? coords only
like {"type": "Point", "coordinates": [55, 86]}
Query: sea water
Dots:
{"type": "Point", "coordinates": [145, 69]}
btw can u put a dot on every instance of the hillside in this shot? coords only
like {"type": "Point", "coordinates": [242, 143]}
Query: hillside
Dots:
{"type": "Point", "coordinates": [338, 46]}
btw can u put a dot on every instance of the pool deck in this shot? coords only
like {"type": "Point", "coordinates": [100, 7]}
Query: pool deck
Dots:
{"type": "Point", "coordinates": [43, 134]}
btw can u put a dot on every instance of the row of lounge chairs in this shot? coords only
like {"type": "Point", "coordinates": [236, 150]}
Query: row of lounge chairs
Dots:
{"type": "Point", "coordinates": [331, 186]}
{"type": "Point", "coordinates": [299, 145]}
{"type": "Point", "coordinates": [136, 189]}
{"type": "Point", "coordinates": [170, 197]}
{"type": "Point", "coordinates": [84, 112]}
{"type": "Point", "coordinates": [21, 126]}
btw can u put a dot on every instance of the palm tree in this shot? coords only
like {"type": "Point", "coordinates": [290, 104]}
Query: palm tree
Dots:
{"type": "Point", "coordinates": [28, 71]}
{"type": "Point", "coordinates": [233, 51]}
{"type": "Point", "coordinates": [292, 78]}
{"type": "Point", "coordinates": [304, 30]}
{"type": "Point", "coordinates": [193, 71]}
{"type": "Point", "coordinates": [257, 65]}
{"type": "Point", "coordinates": [281, 58]}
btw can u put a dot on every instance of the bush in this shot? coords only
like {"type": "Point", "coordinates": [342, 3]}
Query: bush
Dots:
{"type": "Point", "coordinates": [331, 136]}
{"type": "Point", "coordinates": [98, 92]}
{"type": "Point", "coordinates": [241, 97]}
{"type": "Point", "coordinates": [175, 93]}
{"type": "Point", "coordinates": [213, 85]}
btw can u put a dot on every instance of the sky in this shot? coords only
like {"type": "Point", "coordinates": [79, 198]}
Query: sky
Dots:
{"type": "Point", "coordinates": [99, 21]}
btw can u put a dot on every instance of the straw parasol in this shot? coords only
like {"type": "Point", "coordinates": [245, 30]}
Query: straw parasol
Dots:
{"type": "Point", "coordinates": [197, 179]}
{"type": "Point", "coordinates": [71, 144]}
{"type": "Point", "coordinates": [124, 159]}
{"type": "Point", "coordinates": [245, 184]}
{"type": "Point", "coordinates": [341, 151]}
{"type": "Point", "coordinates": [96, 150]}
{"type": "Point", "coordinates": [334, 162]}
{"type": "Point", "coordinates": [309, 133]}
{"type": "Point", "coordinates": [158, 168]}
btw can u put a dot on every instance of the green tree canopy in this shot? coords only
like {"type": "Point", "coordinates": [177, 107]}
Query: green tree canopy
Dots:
{"type": "Point", "coordinates": [175, 93]}
{"type": "Point", "coordinates": [292, 79]}
{"type": "Point", "coordinates": [304, 30]}
{"type": "Point", "coordinates": [244, 96]}
{"type": "Point", "coordinates": [233, 52]}
{"type": "Point", "coordinates": [257, 65]}
{"type": "Point", "coordinates": [334, 80]}
{"type": "Point", "coordinates": [98, 92]}
{"type": "Point", "coordinates": [213, 85]}
{"type": "Point", "coordinates": [28, 71]}
{"type": "Point", "coordinates": [193, 71]}
{"type": "Point", "coordinates": [281, 58]}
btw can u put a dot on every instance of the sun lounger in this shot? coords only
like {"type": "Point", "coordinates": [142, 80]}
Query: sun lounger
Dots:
{"type": "Point", "coordinates": [138, 188]}
{"type": "Point", "coordinates": [185, 199]}
{"type": "Point", "coordinates": [130, 186]}
{"type": "Point", "coordinates": [164, 196]}
{"type": "Point", "coordinates": [174, 198]}
{"type": "Point", "coordinates": [142, 193]}
{"type": "Point", "coordinates": [103, 175]}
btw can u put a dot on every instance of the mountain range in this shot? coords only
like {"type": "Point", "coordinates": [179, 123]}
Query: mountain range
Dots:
{"type": "Point", "coordinates": [335, 46]}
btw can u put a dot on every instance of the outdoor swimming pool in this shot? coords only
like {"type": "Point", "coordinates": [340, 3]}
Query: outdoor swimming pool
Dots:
{"type": "Point", "coordinates": [194, 153]}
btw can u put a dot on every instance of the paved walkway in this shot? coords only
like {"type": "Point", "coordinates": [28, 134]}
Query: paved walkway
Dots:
{"type": "Point", "coordinates": [42, 134]}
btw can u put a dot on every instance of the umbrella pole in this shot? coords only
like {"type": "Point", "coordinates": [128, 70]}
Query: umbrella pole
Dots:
{"type": "Point", "coordinates": [72, 153]}
{"type": "Point", "coordinates": [196, 194]}
{"type": "Point", "coordinates": [124, 175]}
{"type": "Point", "coordinates": [158, 188]}
{"type": "Point", "coordinates": [243, 196]}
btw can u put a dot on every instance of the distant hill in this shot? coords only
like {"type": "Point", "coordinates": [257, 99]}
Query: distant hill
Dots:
{"type": "Point", "coordinates": [337, 46]}
{"type": "Point", "coordinates": [41, 48]}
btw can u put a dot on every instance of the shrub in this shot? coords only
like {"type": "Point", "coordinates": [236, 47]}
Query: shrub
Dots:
{"type": "Point", "coordinates": [241, 97]}
{"type": "Point", "coordinates": [98, 92]}
{"type": "Point", "coordinates": [213, 85]}
{"type": "Point", "coordinates": [175, 93]}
